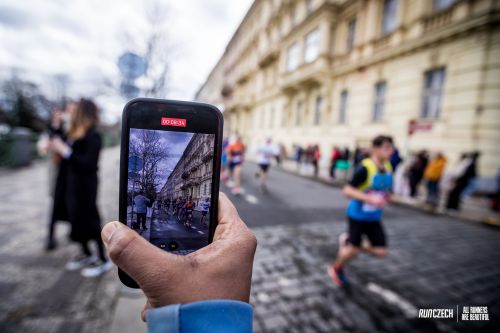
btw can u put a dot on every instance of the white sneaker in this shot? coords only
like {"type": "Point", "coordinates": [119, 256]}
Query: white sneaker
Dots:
{"type": "Point", "coordinates": [97, 269]}
{"type": "Point", "coordinates": [80, 262]}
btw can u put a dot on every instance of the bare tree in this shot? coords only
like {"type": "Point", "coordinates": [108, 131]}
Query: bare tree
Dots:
{"type": "Point", "coordinates": [152, 150]}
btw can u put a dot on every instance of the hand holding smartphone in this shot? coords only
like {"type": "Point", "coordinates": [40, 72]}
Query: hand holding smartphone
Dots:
{"type": "Point", "coordinates": [169, 173]}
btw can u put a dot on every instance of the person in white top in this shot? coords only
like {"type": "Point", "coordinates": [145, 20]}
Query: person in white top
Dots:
{"type": "Point", "coordinates": [265, 155]}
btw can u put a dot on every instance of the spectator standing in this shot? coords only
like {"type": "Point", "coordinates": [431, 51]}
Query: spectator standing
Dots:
{"type": "Point", "coordinates": [462, 180]}
{"type": "Point", "coordinates": [315, 157]}
{"type": "Point", "coordinates": [80, 156]}
{"type": "Point", "coordinates": [333, 160]}
{"type": "Point", "coordinates": [432, 176]}
{"type": "Point", "coordinates": [416, 172]}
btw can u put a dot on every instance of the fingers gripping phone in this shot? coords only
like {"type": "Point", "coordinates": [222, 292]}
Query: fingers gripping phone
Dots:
{"type": "Point", "coordinates": [169, 173]}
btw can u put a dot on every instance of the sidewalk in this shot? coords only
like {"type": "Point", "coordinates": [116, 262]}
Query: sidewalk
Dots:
{"type": "Point", "coordinates": [473, 209]}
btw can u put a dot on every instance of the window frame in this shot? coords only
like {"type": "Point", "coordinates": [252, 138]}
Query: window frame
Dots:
{"type": "Point", "coordinates": [292, 50]}
{"type": "Point", "coordinates": [380, 91]}
{"type": "Point", "coordinates": [299, 113]}
{"type": "Point", "coordinates": [318, 110]}
{"type": "Point", "coordinates": [344, 98]}
{"type": "Point", "coordinates": [434, 81]}
{"type": "Point", "coordinates": [387, 27]}
{"type": "Point", "coordinates": [351, 34]}
{"type": "Point", "coordinates": [311, 45]}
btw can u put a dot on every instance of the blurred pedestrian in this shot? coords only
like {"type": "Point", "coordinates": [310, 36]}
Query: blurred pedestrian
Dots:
{"type": "Point", "coordinates": [141, 203]}
{"type": "Point", "coordinates": [369, 191]}
{"type": "Point", "coordinates": [236, 152]}
{"type": "Point", "coordinates": [299, 155]}
{"type": "Point", "coordinates": [278, 153]}
{"type": "Point", "coordinates": [467, 173]}
{"type": "Point", "coordinates": [333, 160]}
{"type": "Point", "coordinates": [265, 154]}
{"type": "Point", "coordinates": [80, 156]}
{"type": "Point", "coordinates": [204, 208]}
{"type": "Point", "coordinates": [149, 210]}
{"type": "Point", "coordinates": [58, 213]}
{"type": "Point", "coordinates": [315, 158]}
{"type": "Point", "coordinates": [346, 154]}
{"type": "Point", "coordinates": [432, 176]}
{"type": "Point", "coordinates": [416, 172]}
{"type": "Point", "coordinates": [358, 156]}
{"type": "Point", "coordinates": [395, 159]}
{"type": "Point", "coordinates": [224, 170]}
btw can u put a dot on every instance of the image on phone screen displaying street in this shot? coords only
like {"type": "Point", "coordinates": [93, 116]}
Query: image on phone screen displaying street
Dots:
{"type": "Point", "coordinates": [169, 186]}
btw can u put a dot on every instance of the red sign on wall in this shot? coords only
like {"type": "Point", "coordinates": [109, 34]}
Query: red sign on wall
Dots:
{"type": "Point", "coordinates": [419, 126]}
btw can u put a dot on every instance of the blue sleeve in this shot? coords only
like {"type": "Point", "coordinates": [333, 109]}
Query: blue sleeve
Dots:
{"type": "Point", "coordinates": [220, 316]}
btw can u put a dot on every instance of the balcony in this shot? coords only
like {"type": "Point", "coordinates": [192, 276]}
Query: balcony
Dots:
{"type": "Point", "coordinates": [207, 155]}
{"type": "Point", "coordinates": [438, 20]}
{"type": "Point", "coordinates": [269, 56]}
{"type": "Point", "coordinates": [306, 75]}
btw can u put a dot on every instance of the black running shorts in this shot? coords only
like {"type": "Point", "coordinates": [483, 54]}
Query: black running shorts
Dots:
{"type": "Point", "coordinates": [264, 167]}
{"type": "Point", "coordinates": [373, 230]}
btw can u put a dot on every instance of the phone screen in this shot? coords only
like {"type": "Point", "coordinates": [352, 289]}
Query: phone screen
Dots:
{"type": "Point", "coordinates": [169, 187]}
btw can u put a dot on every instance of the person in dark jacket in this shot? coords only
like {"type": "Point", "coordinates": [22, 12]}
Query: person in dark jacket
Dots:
{"type": "Point", "coordinates": [57, 128]}
{"type": "Point", "coordinates": [461, 183]}
{"type": "Point", "coordinates": [416, 173]}
{"type": "Point", "coordinates": [78, 181]}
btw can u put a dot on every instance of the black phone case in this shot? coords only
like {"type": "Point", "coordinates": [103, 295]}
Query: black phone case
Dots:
{"type": "Point", "coordinates": [196, 108]}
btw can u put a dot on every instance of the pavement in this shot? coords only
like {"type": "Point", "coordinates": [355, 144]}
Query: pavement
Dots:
{"type": "Point", "coordinates": [434, 262]}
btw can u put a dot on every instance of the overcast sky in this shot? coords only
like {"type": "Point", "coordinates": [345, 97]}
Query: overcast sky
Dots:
{"type": "Point", "coordinates": [84, 38]}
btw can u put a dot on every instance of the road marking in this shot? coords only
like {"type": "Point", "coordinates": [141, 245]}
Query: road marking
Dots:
{"type": "Point", "coordinates": [200, 232]}
{"type": "Point", "coordinates": [251, 199]}
{"type": "Point", "coordinates": [409, 310]}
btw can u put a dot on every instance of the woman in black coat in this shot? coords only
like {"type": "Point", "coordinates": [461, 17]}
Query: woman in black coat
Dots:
{"type": "Point", "coordinates": [78, 174]}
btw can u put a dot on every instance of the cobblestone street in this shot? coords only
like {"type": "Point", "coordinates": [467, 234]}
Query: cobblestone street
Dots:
{"type": "Point", "coordinates": [434, 262]}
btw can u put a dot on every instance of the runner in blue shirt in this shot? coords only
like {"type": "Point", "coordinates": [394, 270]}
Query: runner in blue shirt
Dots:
{"type": "Point", "coordinates": [369, 191]}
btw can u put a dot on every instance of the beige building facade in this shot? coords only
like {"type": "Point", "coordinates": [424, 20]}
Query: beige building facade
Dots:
{"type": "Point", "coordinates": [337, 73]}
{"type": "Point", "coordinates": [192, 175]}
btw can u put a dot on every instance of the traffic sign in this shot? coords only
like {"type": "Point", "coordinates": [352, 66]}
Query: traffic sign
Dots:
{"type": "Point", "coordinates": [131, 65]}
{"type": "Point", "coordinates": [129, 90]}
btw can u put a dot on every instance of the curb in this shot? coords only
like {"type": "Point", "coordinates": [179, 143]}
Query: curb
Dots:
{"type": "Point", "coordinates": [491, 221]}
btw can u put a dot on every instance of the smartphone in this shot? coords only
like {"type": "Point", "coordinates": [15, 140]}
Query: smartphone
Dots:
{"type": "Point", "coordinates": [169, 173]}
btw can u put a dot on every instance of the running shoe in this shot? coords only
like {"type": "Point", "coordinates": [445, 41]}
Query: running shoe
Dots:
{"type": "Point", "coordinates": [80, 262]}
{"type": "Point", "coordinates": [96, 269]}
{"type": "Point", "coordinates": [236, 190]}
{"type": "Point", "coordinates": [338, 277]}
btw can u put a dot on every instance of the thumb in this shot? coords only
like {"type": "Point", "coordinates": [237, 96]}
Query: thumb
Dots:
{"type": "Point", "coordinates": [129, 251]}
